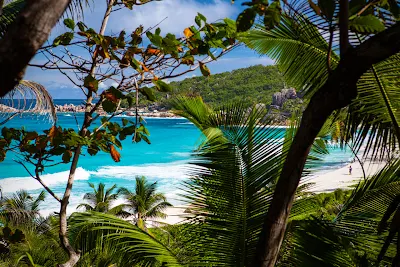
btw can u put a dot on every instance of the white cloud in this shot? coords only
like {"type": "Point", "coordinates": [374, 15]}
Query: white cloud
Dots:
{"type": "Point", "coordinates": [102, 86]}
{"type": "Point", "coordinates": [179, 14]}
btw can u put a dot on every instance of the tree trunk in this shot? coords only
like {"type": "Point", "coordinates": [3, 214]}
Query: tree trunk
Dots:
{"type": "Point", "coordinates": [74, 256]}
{"type": "Point", "coordinates": [25, 36]}
{"type": "Point", "coordinates": [336, 93]}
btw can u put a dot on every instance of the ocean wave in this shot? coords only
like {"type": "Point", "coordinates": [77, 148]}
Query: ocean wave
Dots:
{"type": "Point", "coordinates": [14, 184]}
{"type": "Point", "coordinates": [176, 170]}
{"type": "Point", "coordinates": [182, 154]}
{"type": "Point", "coordinates": [191, 123]}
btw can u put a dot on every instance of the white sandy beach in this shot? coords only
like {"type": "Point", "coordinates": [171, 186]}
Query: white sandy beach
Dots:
{"type": "Point", "coordinates": [340, 178]}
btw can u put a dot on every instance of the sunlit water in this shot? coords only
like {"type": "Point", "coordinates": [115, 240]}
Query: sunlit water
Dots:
{"type": "Point", "coordinates": [165, 161]}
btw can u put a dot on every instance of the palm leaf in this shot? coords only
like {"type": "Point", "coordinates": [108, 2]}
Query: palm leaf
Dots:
{"type": "Point", "coordinates": [233, 176]}
{"type": "Point", "coordinates": [10, 12]}
{"type": "Point", "coordinates": [299, 50]}
{"type": "Point", "coordinates": [132, 244]}
{"type": "Point", "coordinates": [374, 117]}
{"type": "Point", "coordinates": [28, 97]}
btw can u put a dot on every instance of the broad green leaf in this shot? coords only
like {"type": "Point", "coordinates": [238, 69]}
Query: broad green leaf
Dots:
{"type": "Point", "coordinates": [109, 106]}
{"type": "Point", "coordinates": [197, 19]}
{"type": "Point", "coordinates": [245, 20]}
{"type": "Point", "coordinates": [272, 15]}
{"type": "Point", "coordinates": [202, 17]}
{"type": "Point", "coordinates": [367, 24]}
{"type": "Point", "coordinates": [63, 39]}
{"type": "Point", "coordinates": [69, 23]}
{"type": "Point", "coordinates": [82, 26]}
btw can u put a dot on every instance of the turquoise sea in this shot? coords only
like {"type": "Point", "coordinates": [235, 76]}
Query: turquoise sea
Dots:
{"type": "Point", "coordinates": [164, 161]}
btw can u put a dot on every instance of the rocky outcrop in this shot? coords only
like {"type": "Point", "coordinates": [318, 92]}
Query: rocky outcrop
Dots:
{"type": "Point", "coordinates": [279, 98]}
{"type": "Point", "coordinates": [70, 108]}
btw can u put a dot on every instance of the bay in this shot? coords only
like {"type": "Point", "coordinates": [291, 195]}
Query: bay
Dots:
{"type": "Point", "coordinates": [164, 161]}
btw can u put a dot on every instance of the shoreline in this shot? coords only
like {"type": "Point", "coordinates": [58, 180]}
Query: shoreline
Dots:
{"type": "Point", "coordinates": [324, 182]}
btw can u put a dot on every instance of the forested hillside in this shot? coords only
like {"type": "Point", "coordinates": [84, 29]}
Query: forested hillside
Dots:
{"type": "Point", "coordinates": [255, 84]}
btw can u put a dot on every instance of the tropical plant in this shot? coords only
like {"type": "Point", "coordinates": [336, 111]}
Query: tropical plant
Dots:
{"type": "Point", "coordinates": [21, 207]}
{"type": "Point", "coordinates": [102, 199]}
{"type": "Point", "coordinates": [144, 202]}
{"type": "Point", "coordinates": [125, 59]}
{"type": "Point", "coordinates": [304, 40]}
{"type": "Point", "coordinates": [127, 243]}
{"type": "Point", "coordinates": [234, 172]}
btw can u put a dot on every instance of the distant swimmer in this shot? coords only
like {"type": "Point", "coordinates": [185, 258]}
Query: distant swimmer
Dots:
{"type": "Point", "coordinates": [350, 169]}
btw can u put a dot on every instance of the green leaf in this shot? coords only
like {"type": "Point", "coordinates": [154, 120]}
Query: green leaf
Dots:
{"type": "Point", "coordinates": [63, 39]}
{"type": "Point", "coordinates": [135, 64]}
{"type": "Point", "coordinates": [162, 86]}
{"type": "Point", "coordinates": [109, 106]}
{"type": "Point", "coordinates": [91, 83]}
{"type": "Point", "coordinates": [82, 26]}
{"type": "Point", "coordinates": [69, 23]}
{"type": "Point", "coordinates": [146, 139]}
{"type": "Point", "coordinates": [148, 93]}
{"type": "Point", "coordinates": [202, 17]}
{"type": "Point", "coordinates": [366, 24]}
{"type": "Point", "coordinates": [125, 122]}
{"type": "Point", "coordinates": [272, 15]}
{"type": "Point", "coordinates": [197, 19]}
{"type": "Point", "coordinates": [245, 20]}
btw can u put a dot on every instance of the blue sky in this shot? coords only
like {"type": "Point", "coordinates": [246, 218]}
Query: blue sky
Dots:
{"type": "Point", "coordinates": [178, 15]}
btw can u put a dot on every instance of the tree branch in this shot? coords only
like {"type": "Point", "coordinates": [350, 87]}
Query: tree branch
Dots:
{"type": "Point", "coordinates": [339, 90]}
{"type": "Point", "coordinates": [25, 36]}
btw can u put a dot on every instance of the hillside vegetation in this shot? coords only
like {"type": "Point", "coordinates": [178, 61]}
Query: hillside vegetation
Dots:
{"type": "Point", "coordinates": [254, 84]}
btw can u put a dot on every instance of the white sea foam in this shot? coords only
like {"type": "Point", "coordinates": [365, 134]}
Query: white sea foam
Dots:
{"type": "Point", "coordinates": [181, 154]}
{"type": "Point", "coordinates": [28, 183]}
{"type": "Point", "coordinates": [175, 170]}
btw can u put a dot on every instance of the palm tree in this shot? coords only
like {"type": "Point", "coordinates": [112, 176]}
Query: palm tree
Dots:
{"type": "Point", "coordinates": [234, 171]}
{"type": "Point", "coordinates": [21, 207]}
{"type": "Point", "coordinates": [144, 202]}
{"type": "Point", "coordinates": [102, 200]}
{"type": "Point", "coordinates": [305, 46]}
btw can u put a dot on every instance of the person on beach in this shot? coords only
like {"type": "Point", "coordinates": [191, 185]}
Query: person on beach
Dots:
{"type": "Point", "coordinates": [350, 169]}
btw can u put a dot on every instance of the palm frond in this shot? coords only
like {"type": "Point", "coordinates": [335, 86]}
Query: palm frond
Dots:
{"type": "Point", "coordinates": [374, 117]}
{"type": "Point", "coordinates": [233, 176]}
{"type": "Point", "coordinates": [28, 97]}
{"type": "Point", "coordinates": [10, 12]}
{"type": "Point", "coordinates": [299, 50]}
{"type": "Point", "coordinates": [315, 242]}
{"type": "Point", "coordinates": [362, 214]}
{"type": "Point", "coordinates": [132, 244]}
